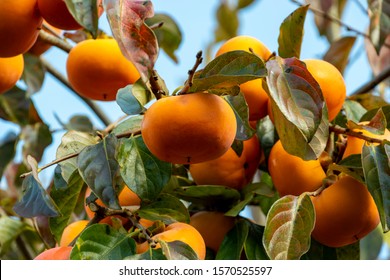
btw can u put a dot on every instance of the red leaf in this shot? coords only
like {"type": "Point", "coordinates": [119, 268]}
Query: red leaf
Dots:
{"type": "Point", "coordinates": [136, 40]}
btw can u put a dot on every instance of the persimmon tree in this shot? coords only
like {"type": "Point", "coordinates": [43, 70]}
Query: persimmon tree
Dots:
{"type": "Point", "coordinates": [104, 161]}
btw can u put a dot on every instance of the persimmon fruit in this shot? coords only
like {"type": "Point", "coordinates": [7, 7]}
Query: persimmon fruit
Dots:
{"type": "Point", "coordinates": [255, 96]}
{"type": "Point", "coordinates": [291, 174]}
{"type": "Point", "coordinates": [179, 231]}
{"type": "Point", "coordinates": [97, 69]}
{"type": "Point", "coordinates": [331, 82]}
{"type": "Point", "coordinates": [345, 213]}
{"type": "Point", "coordinates": [213, 226]}
{"type": "Point", "coordinates": [230, 169]}
{"type": "Point", "coordinates": [19, 26]}
{"type": "Point", "coordinates": [56, 253]}
{"type": "Point", "coordinates": [71, 231]}
{"type": "Point", "coordinates": [11, 69]}
{"type": "Point", "coordinates": [189, 128]}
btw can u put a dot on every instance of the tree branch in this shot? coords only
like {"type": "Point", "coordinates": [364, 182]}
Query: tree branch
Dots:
{"type": "Point", "coordinates": [373, 83]}
{"type": "Point", "coordinates": [341, 130]}
{"type": "Point", "coordinates": [156, 88]}
{"type": "Point", "coordinates": [338, 21]}
{"type": "Point", "coordinates": [92, 105]}
{"type": "Point", "coordinates": [54, 41]}
{"type": "Point", "coordinates": [191, 74]}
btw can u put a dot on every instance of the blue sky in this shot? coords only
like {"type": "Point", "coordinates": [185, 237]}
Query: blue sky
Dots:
{"type": "Point", "coordinates": [197, 22]}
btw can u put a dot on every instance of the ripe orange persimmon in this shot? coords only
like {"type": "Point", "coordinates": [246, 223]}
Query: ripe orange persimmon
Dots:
{"type": "Point", "coordinates": [213, 226]}
{"type": "Point", "coordinates": [56, 253]}
{"type": "Point", "coordinates": [179, 232]}
{"type": "Point", "coordinates": [229, 169]}
{"type": "Point", "coordinates": [71, 231]}
{"type": "Point", "coordinates": [11, 69]}
{"type": "Point", "coordinates": [97, 69]}
{"type": "Point", "coordinates": [57, 14]}
{"type": "Point", "coordinates": [19, 26]}
{"type": "Point", "coordinates": [126, 198]}
{"type": "Point", "coordinates": [331, 82]}
{"type": "Point", "coordinates": [255, 96]}
{"type": "Point", "coordinates": [345, 213]}
{"type": "Point", "coordinates": [189, 128]}
{"type": "Point", "coordinates": [355, 145]}
{"type": "Point", "coordinates": [291, 174]}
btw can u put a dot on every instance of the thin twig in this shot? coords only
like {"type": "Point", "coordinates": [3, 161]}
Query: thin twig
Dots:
{"type": "Point", "coordinates": [341, 130]}
{"type": "Point", "coordinates": [191, 73]}
{"type": "Point", "coordinates": [111, 126]}
{"type": "Point", "coordinates": [24, 175]}
{"type": "Point", "coordinates": [92, 105]}
{"type": "Point", "coordinates": [373, 83]}
{"type": "Point", "coordinates": [73, 155]}
{"type": "Point", "coordinates": [338, 21]}
{"type": "Point", "coordinates": [156, 88]}
{"type": "Point", "coordinates": [361, 6]}
{"type": "Point", "coordinates": [55, 41]}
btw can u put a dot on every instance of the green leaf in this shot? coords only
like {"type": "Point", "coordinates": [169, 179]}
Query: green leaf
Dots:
{"type": "Point", "coordinates": [79, 123]}
{"type": "Point", "coordinates": [379, 22]}
{"type": "Point", "coordinates": [131, 124]}
{"type": "Point", "coordinates": [136, 40]}
{"type": "Point", "coordinates": [354, 111]}
{"type": "Point", "coordinates": [228, 70]}
{"type": "Point", "coordinates": [17, 107]}
{"type": "Point", "coordinates": [240, 108]}
{"type": "Point", "coordinates": [349, 252]}
{"type": "Point", "coordinates": [86, 14]}
{"type": "Point", "coordinates": [253, 246]}
{"type": "Point", "coordinates": [233, 243]}
{"type": "Point", "coordinates": [350, 165]}
{"type": "Point", "coordinates": [35, 200]}
{"type": "Point", "coordinates": [100, 170]}
{"type": "Point", "coordinates": [33, 73]}
{"type": "Point", "coordinates": [102, 242]}
{"type": "Point", "coordinates": [371, 245]}
{"type": "Point", "coordinates": [298, 107]}
{"type": "Point", "coordinates": [72, 142]}
{"type": "Point", "coordinates": [169, 35]}
{"type": "Point", "coordinates": [338, 52]}
{"type": "Point", "coordinates": [375, 159]}
{"type": "Point", "coordinates": [290, 222]}
{"type": "Point", "coordinates": [208, 195]}
{"type": "Point", "coordinates": [142, 172]}
{"type": "Point", "coordinates": [178, 250]}
{"type": "Point", "coordinates": [66, 200]}
{"type": "Point", "coordinates": [10, 229]}
{"type": "Point", "coordinates": [166, 208]}
{"type": "Point", "coordinates": [36, 138]}
{"type": "Point", "coordinates": [267, 135]}
{"type": "Point", "coordinates": [291, 33]}
{"type": "Point", "coordinates": [244, 3]}
{"type": "Point", "coordinates": [7, 150]}
{"type": "Point", "coordinates": [132, 98]}
{"type": "Point", "coordinates": [249, 193]}
{"type": "Point", "coordinates": [227, 22]}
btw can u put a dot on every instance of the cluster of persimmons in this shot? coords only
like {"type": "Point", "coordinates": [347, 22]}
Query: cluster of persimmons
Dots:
{"type": "Point", "coordinates": [196, 130]}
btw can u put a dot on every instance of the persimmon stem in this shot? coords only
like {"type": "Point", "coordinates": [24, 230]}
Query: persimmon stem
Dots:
{"type": "Point", "coordinates": [341, 130]}
{"type": "Point", "coordinates": [54, 41]}
{"type": "Point", "coordinates": [191, 73]}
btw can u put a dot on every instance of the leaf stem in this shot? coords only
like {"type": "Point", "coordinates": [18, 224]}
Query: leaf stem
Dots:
{"type": "Point", "coordinates": [191, 73]}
